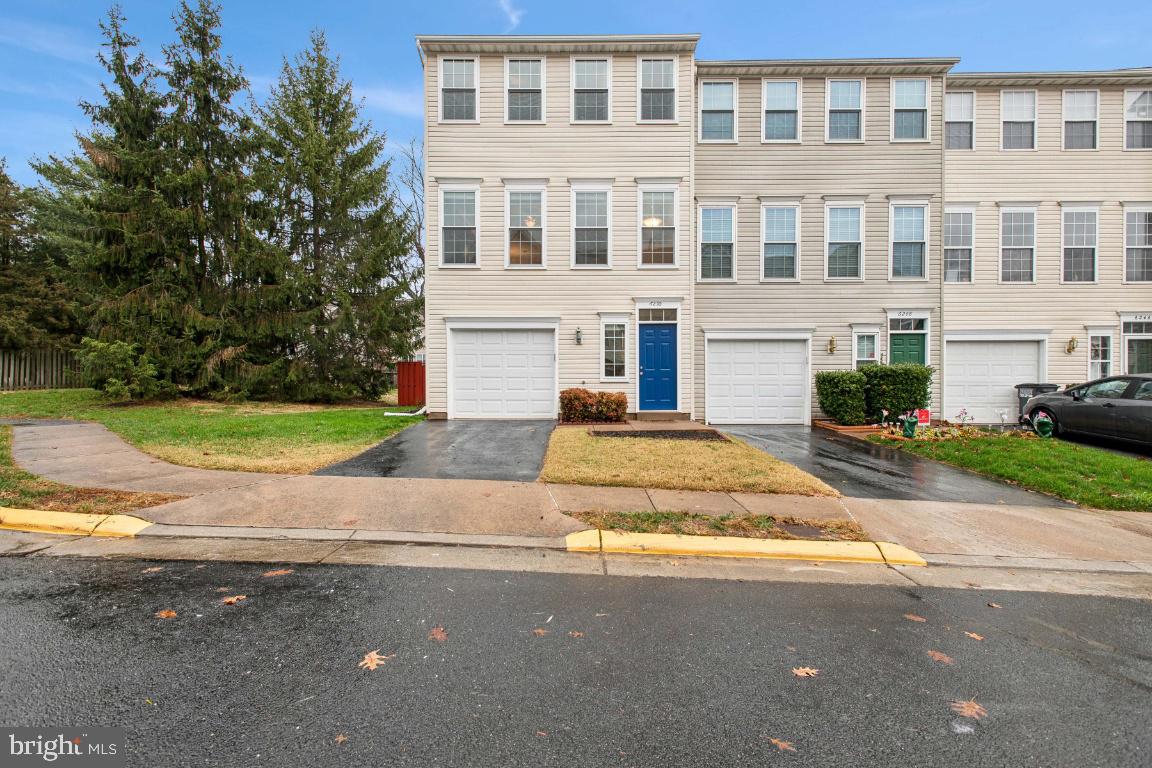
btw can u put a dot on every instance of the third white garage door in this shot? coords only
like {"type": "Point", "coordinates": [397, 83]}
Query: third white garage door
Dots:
{"type": "Point", "coordinates": [980, 377]}
{"type": "Point", "coordinates": [757, 381]}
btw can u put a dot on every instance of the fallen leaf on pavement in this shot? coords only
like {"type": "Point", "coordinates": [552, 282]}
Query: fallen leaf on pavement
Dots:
{"type": "Point", "coordinates": [438, 634]}
{"type": "Point", "coordinates": [995, 605]}
{"type": "Point", "coordinates": [781, 745]}
{"type": "Point", "coordinates": [540, 632]}
{"type": "Point", "coordinates": [154, 569]}
{"type": "Point", "coordinates": [943, 658]}
{"type": "Point", "coordinates": [341, 738]}
{"type": "Point", "coordinates": [575, 633]}
{"type": "Point", "coordinates": [968, 709]}
{"type": "Point", "coordinates": [373, 659]}
{"type": "Point", "coordinates": [974, 636]}
{"type": "Point", "coordinates": [914, 617]}
{"type": "Point", "coordinates": [167, 613]}
{"type": "Point", "coordinates": [234, 599]}
{"type": "Point", "coordinates": [805, 671]}
{"type": "Point", "coordinates": [278, 572]}
{"type": "Point", "coordinates": [541, 733]}
{"type": "Point", "coordinates": [223, 589]}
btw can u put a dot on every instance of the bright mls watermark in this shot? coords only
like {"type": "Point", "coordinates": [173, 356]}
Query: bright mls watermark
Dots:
{"type": "Point", "coordinates": [70, 747]}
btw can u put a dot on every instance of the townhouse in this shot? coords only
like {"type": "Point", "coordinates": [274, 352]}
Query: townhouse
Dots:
{"type": "Point", "coordinates": [609, 212]}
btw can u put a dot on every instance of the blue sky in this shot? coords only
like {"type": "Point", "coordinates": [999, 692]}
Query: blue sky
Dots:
{"type": "Point", "coordinates": [47, 47]}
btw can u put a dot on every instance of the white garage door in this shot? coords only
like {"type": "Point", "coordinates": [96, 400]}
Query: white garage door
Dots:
{"type": "Point", "coordinates": [503, 374]}
{"type": "Point", "coordinates": [980, 377]}
{"type": "Point", "coordinates": [757, 381]}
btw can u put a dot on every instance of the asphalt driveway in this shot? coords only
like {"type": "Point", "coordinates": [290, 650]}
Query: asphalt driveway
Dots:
{"type": "Point", "coordinates": [862, 469]}
{"type": "Point", "coordinates": [455, 450]}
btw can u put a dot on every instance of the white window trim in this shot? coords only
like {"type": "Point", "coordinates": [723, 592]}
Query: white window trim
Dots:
{"type": "Point", "coordinates": [509, 188]}
{"type": "Point", "coordinates": [1095, 251]}
{"type": "Point", "coordinates": [892, 205]}
{"type": "Point", "coordinates": [543, 90]}
{"type": "Point", "coordinates": [1035, 119]}
{"type": "Point", "coordinates": [572, 90]}
{"type": "Point", "coordinates": [700, 242]}
{"type": "Point", "coordinates": [799, 109]}
{"type": "Point", "coordinates": [1124, 115]}
{"type": "Point", "coordinates": [474, 188]}
{"type": "Point", "coordinates": [440, 88]}
{"type": "Point", "coordinates": [828, 109]}
{"type": "Point", "coordinates": [735, 111]}
{"type": "Point", "coordinates": [828, 204]}
{"type": "Point", "coordinates": [675, 59]}
{"type": "Point", "coordinates": [578, 186]}
{"type": "Point", "coordinates": [616, 318]}
{"type": "Point", "coordinates": [908, 314]}
{"type": "Point", "coordinates": [975, 98]}
{"type": "Point", "coordinates": [1129, 317]}
{"type": "Point", "coordinates": [1064, 119]}
{"type": "Point", "coordinates": [640, 190]}
{"type": "Point", "coordinates": [969, 209]}
{"type": "Point", "coordinates": [1124, 255]}
{"type": "Point", "coordinates": [761, 242]}
{"type": "Point", "coordinates": [1000, 241]}
{"type": "Point", "coordinates": [865, 330]}
{"type": "Point", "coordinates": [927, 111]}
{"type": "Point", "coordinates": [1110, 333]}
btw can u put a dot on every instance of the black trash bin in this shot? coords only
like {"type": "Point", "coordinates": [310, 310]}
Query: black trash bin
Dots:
{"type": "Point", "coordinates": [1025, 392]}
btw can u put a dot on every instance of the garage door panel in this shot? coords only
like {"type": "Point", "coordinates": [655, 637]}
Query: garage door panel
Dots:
{"type": "Point", "coordinates": [980, 377]}
{"type": "Point", "coordinates": [503, 374]}
{"type": "Point", "coordinates": [757, 381]}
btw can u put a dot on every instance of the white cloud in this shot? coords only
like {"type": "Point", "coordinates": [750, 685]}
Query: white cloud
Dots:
{"type": "Point", "coordinates": [53, 40]}
{"type": "Point", "coordinates": [408, 102]}
{"type": "Point", "coordinates": [513, 13]}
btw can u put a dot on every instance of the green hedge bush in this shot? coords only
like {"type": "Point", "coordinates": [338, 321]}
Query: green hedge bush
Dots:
{"type": "Point", "coordinates": [579, 405]}
{"type": "Point", "coordinates": [841, 395]}
{"type": "Point", "coordinates": [119, 373]}
{"type": "Point", "coordinates": [896, 389]}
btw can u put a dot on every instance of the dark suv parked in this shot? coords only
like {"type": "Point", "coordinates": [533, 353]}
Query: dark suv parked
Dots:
{"type": "Point", "coordinates": [1118, 407]}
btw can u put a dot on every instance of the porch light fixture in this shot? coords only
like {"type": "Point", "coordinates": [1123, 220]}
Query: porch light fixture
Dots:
{"type": "Point", "coordinates": [579, 336]}
{"type": "Point", "coordinates": [1072, 344]}
{"type": "Point", "coordinates": [832, 345]}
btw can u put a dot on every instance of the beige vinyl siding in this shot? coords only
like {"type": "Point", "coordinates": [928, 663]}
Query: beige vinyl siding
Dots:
{"type": "Point", "coordinates": [810, 170]}
{"type": "Point", "coordinates": [493, 152]}
{"type": "Point", "coordinates": [1049, 176]}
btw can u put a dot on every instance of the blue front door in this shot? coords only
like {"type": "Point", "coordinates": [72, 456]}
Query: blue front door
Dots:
{"type": "Point", "coordinates": [658, 366]}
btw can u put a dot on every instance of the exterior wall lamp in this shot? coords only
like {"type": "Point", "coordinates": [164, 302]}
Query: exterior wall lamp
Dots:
{"type": "Point", "coordinates": [832, 345]}
{"type": "Point", "coordinates": [1072, 344]}
{"type": "Point", "coordinates": [579, 336]}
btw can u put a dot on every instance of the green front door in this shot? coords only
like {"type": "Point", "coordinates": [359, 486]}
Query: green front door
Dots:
{"type": "Point", "coordinates": [1139, 355]}
{"type": "Point", "coordinates": [906, 348]}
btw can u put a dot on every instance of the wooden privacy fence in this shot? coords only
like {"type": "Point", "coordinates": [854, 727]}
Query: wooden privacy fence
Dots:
{"type": "Point", "coordinates": [409, 383]}
{"type": "Point", "coordinates": [38, 369]}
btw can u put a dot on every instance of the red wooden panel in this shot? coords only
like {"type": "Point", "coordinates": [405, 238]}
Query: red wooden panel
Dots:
{"type": "Point", "coordinates": [410, 383]}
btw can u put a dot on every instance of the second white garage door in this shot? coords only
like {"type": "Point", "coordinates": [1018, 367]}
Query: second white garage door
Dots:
{"type": "Point", "coordinates": [980, 377]}
{"type": "Point", "coordinates": [761, 381]}
{"type": "Point", "coordinates": [503, 374]}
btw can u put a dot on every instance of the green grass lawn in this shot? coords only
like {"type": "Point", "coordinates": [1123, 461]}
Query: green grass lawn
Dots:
{"type": "Point", "coordinates": [258, 437]}
{"type": "Point", "coordinates": [1088, 476]}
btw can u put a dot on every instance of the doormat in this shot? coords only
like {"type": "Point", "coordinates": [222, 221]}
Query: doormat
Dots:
{"type": "Point", "coordinates": [662, 434]}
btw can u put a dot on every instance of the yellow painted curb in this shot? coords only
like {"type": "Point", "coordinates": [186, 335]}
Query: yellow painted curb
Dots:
{"type": "Point", "coordinates": [894, 554]}
{"type": "Point", "coordinates": [70, 523]}
{"type": "Point", "coordinates": [583, 541]}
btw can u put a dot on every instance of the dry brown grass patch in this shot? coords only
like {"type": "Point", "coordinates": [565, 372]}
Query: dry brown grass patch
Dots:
{"type": "Point", "coordinates": [743, 526]}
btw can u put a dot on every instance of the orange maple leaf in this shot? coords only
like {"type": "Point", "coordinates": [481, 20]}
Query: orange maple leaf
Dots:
{"type": "Point", "coordinates": [234, 599]}
{"type": "Point", "coordinates": [373, 659]}
{"type": "Point", "coordinates": [167, 613]}
{"type": "Point", "coordinates": [341, 738]}
{"type": "Point", "coordinates": [943, 658]}
{"type": "Point", "coordinates": [540, 632]}
{"type": "Point", "coordinates": [438, 634]}
{"type": "Point", "coordinates": [968, 708]}
{"type": "Point", "coordinates": [278, 572]}
{"type": "Point", "coordinates": [805, 671]}
{"type": "Point", "coordinates": [914, 617]}
{"type": "Point", "coordinates": [575, 633]}
{"type": "Point", "coordinates": [974, 636]}
{"type": "Point", "coordinates": [781, 745]}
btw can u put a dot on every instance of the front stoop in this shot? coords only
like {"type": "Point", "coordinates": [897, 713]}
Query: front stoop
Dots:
{"type": "Point", "coordinates": [660, 416]}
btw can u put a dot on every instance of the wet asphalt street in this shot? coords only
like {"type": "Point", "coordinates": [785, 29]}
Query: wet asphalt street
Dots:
{"type": "Point", "coordinates": [541, 669]}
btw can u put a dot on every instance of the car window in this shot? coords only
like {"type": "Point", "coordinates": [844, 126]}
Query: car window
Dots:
{"type": "Point", "coordinates": [1144, 391]}
{"type": "Point", "coordinates": [1107, 389]}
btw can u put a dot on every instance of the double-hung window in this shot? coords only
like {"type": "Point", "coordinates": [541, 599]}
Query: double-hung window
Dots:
{"type": "Point", "coordinates": [845, 110]}
{"type": "Point", "coordinates": [658, 228]}
{"type": "Point", "coordinates": [614, 347]}
{"type": "Point", "coordinates": [1099, 356]}
{"type": "Point", "coordinates": [717, 242]}
{"type": "Point", "coordinates": [909, 241]}
{"type": "Point", "coordinates": [525, 227]}
{"type": "Point", "coordinates": [591, 243]}
{"type": "Point", "coordinates": [1017, 245]}
{"type": "Point", "coordinates": [910, 109]}
{"type": "Point", "coordinates": [1081, 112]}
{"type": "Point", "coordinates": [866, 349]}
{"type": "Point", "coordinates": [958, 239]}
{"type": "Point", "coordinates": [781, 110]}
{"type": "Point", "coordinates": [458, 90]}
{"type": "Point", "coordinates": [959, 120]}
{"type": "Point", "coordinates": [1138, 245]}
{"type": "Point", "coordinates": [779, 227]}
{"type": "Point", "coordinates": [657, 90]}
{"type": "Point", "coordinates": [458, 227]}
{"type": "Point", "coordinates": [718, 110]}
{"type": "Point", "coordinates": [591, 91]}
{"type": "Point", "coordinates": [845, 243]}
{"type": "Point", "coordinates": [1018, 119]}
{"type": "Point", "coordinates": [1079, 253]}
{"type": "Point", "coordinates": [525, 94]}
{"type": "Point", "coordinates": [1138, 119]}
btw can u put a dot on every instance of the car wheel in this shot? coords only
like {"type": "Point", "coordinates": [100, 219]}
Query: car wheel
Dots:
{"type": "Point", "coordinates": [1051, 417]}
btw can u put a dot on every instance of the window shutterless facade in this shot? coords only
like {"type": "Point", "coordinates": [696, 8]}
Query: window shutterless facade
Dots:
{"type": "Point", "coordinates": [958, 243]}
{"type": "Point", "coordinates": [718, 110]}
{"type": "Point", "coordinates": [459, 233]}
{"type": "Point", "coordinates": [1137, 245]}
{"type": "Point", "coordinates": [844, 242]}
{"type": "Point", "coordinates": [1017, 245]}
{"type": "Point", "coordinates": [657, 85]}
{"type": "Point", "coordinates": [591, 226]}
{"type": "Point", "coordinates": [1079, 250]}
{"type": "Point", "coordinates": [909, 242]}
{"type": "Point", "coordinates": [845, 119]}
{"type": "Point", "coordinates": [717, 242]}
{"type": "Point", "coordinates": [524, 90]}
{"type": "Point", "coordinates": [458, 90]}
{"type": "Point", "coordinates": [613, 347]}
{"type": "Point", "coordinates": [1018, 119]}
{"type": "Point", "coordinates": [866, 347]}
{"type": "Point", "coordinates": [780, 242]}
{"type": "Point", "coordinates": [658, 227]}
{"type": "Point", "coordinates": [591, 90]}
{"type": "Point", "coordinates": [526, 227]}
{"type": "Point", "coordinates": [960, 120]}
{"type": "Point", "coordinates": [781, 115]}
{"type": "Point", "coordinates": [1099, 356]}
{"type": "Point", "coordinates": [1081, 117]}
{"type": "Point", "coordinates": [910, 118]}
{"type": "Point", "coordinates": [1137, 345]}
{"type": "Point", "coordinates": [1138, 119]}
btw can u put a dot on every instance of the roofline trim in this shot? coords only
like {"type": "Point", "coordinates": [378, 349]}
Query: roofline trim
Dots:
{"type": "Point", "coordinates": [530, 39]}
{"type": "Point", "coordinates": [944, 61]}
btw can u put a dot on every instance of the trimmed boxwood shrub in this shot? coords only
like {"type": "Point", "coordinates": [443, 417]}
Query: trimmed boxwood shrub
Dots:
{"type": "Point", "coordinates": [579, 405]}
{"type": "Point", "coordinates": [896, 389]}
{"type": "Point", "coordinates": [841, 395]}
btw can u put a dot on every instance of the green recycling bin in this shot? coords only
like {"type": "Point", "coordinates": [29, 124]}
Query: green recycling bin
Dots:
{"type": "Point", "coordinates": [1042, 425]}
